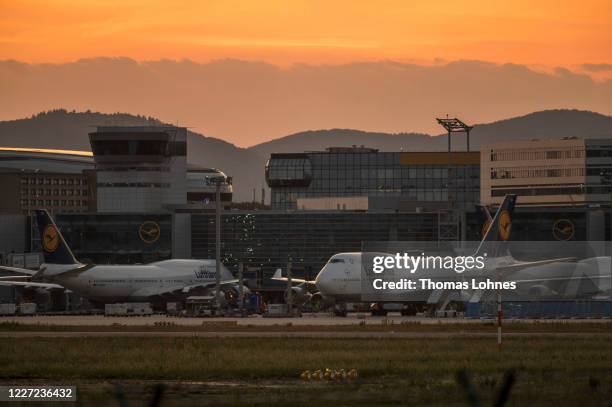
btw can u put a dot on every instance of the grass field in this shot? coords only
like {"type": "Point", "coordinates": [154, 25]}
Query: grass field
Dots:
{"type": "Point", "coordinates": [545, 326]}
{"type": "Point", "coordinates": [552, 371]}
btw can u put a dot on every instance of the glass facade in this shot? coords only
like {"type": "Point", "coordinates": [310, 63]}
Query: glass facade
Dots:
{"type": "Point", "coordinates": [341, 172]}
{"type": "Point", "coordinates": [290, 170]}
{"type": "Point", "coordinates": [267, 240]}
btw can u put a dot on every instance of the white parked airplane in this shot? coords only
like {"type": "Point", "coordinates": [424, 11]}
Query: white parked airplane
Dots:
{"type": "Point", "coordinates": [340, 280]}
{"type": "Point", "coordinates": [160, 281]}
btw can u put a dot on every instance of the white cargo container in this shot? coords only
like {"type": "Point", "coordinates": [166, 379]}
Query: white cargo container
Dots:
{"type": "Point", "coordinates": [115, 309]}
{"type": "Point", "coordinates": [128, 309]}
{"type": "Point", "coordinates": [139, 308]}
{"type": "Point", "coordinates": [30, 261]}
{"type": "Point", "coordinates": [279, 311]}
{"type": "Point", "coordinates": [26, 308]}
{"type": "Point", "coordinates": [8, 309]}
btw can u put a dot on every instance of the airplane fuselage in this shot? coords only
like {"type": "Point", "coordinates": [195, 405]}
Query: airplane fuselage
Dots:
{"type": "Point", "coordinates": [109, 283]}
{"type": "Point", "coordinates": [340, 280]}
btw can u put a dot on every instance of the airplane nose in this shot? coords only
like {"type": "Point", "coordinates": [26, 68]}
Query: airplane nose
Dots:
{"type": "Point", "coordinates": [323, 279]}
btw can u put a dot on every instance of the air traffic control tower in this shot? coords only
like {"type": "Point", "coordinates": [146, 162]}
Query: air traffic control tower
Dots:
{"type": "Point", "coordinates": [140, 168]}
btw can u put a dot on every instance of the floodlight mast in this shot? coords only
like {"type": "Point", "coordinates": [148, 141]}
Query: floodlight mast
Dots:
{"type": "Point", "coordinates": [455, 125]}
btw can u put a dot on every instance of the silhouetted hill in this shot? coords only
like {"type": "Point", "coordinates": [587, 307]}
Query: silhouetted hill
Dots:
{"type": "Point", "coordinates": [68, 130]}
{"type": "Point", "coordinates": [316, 140]}
{"type": "Point", "coordinates": [62, 129]}
{"type": "Point", "coordinates": [545, 125]}
{"type": "Point", "coordinates": [548, 124]}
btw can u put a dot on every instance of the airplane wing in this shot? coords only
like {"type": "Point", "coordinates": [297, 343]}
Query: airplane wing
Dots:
{"type": "Point", "coordinates": [278, 276]}
{"type": "Point", "coordinates": [13, 281]}
{"type": "Point", "coordinates": [207, 285]}
{"type": "Point", "coordinates": [159, 291]}
{"type": "Point", "coordinates": [18, 270]}
{"type": "Point", "coordinates": [29, 284]}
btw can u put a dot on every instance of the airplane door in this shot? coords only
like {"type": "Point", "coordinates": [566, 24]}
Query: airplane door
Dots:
{"type": "Point", "coordinates": [344, 279]}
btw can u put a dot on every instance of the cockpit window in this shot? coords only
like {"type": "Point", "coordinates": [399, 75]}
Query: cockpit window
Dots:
{"type": "Point", "coordinates": [336, 260]}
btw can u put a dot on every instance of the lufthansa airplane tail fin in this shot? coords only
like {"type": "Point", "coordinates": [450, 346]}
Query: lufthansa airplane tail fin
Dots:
{"type": "Point", "coordinates": [55, 249]}
{"type": "Point", "coordinates": [497, 234]}
{"type": "Point", "coordinates": [484, 219]}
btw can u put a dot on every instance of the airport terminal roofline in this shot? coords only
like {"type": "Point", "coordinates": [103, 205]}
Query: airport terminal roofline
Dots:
{"type": "Point", "coordinates": [406, 157]}
{"type": "Point", "coordinates": [47, 152]}
{"type": "Point", "coordinates": [336, 150]}
{"type": "Point", "coordinates": [520, 209]}
{"type": "Point", "coordinates": [34, 160]}
{"type": "Point", "coordinates": [548, 142]}
{"type": "Point", "coordinates": [197, 168]}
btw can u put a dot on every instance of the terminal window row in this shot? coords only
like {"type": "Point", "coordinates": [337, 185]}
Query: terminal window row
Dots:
{"type": "Point", "coordinates": [566, 190]}
{"type": "Point", "coordinates": [404, 172]}
{"type": "Point", "coordinates": [536, 172]}
{"type": "Point", "coordinates": [133, 185]}
{"type": "Point", "coordinates": [54, 202]}
{"type": "Point", "coordinates": [471, 195]}
{"type": "Point", "coordinates": [54, 192]}
{"type": "Point", "coordinates": [362, 159]}
{"type": "Point", "coordinates": [533, 154]}
{"type": "Point", "coordinates": [131, 168]}
{"type": "Point", "coordinates": [396, 183]}
{"type": "Point", "coordinates": [53, 181]}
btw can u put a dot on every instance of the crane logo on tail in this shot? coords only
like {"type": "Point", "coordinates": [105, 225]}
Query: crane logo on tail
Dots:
{"type": "Point", "coordinates": [50, 239]}
{"type": "Point", "coordinates": [504, 224]}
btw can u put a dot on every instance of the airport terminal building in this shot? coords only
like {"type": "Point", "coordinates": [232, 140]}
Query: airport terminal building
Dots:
{"type": "Point", "coordinates": [151, 205]}
{"type": "Point", "coordinates": [60, 181]}
{"type": "Point", "coordinates": [548, 173]}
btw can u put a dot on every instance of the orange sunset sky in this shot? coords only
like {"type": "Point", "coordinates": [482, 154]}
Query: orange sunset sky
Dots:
{"type": "Point", "coordinates": [542, 35]}
{"type": "Point", "coordinates": [543, 32]}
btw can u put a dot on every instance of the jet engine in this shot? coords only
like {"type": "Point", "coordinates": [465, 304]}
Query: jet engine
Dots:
{"type": "Point", "coordinates": [232, 294]}
{"type": "Point", "coordinates": [299, 295]}
{"type": "Point", "coordinates": [540, 291]}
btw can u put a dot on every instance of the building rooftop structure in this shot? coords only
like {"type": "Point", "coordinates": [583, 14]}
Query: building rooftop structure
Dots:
{"type": "Point", "coordinates": [62, 181]}
{"type": "Point", "coordinates": [396, 181]}
{"type": "Point", "coordinates": [140, 168]}
{"type": "Point", "coordinates": [19, 159]}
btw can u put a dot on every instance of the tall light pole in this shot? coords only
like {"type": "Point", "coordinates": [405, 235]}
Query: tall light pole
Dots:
{"type": "Point", "coordinates": [218, 243]}
{"type": "Point", "coordinates": [218, 182]}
